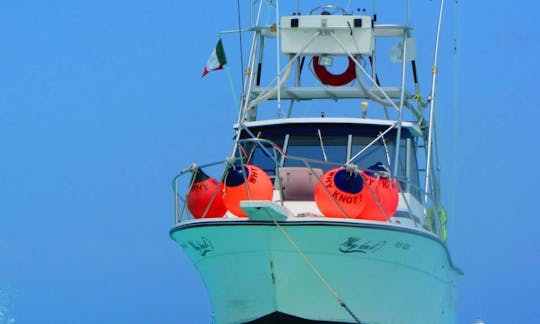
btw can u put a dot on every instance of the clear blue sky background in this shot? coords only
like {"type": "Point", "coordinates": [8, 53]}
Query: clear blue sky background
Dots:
{"type": "Point", "coordinates": [101, 104]}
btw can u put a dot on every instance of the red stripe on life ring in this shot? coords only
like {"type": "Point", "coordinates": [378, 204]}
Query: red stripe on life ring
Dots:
{"type": "Point", "coordinates": [334, 79]}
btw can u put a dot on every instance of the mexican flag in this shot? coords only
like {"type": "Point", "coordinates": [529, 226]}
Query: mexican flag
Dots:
{"type": "Point", "coordinates": [217, 59]}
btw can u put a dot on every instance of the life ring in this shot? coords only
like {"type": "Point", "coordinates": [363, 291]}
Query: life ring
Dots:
{"type": "Point", "coordinates": [334, 79]}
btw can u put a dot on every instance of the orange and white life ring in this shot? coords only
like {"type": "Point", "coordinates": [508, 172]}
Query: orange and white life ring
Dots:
{"type": "Point", "coordinates": [334, 79]}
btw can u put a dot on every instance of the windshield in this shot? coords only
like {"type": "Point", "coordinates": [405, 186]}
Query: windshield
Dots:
{"type": "Point", "coordinates": [327, 148]}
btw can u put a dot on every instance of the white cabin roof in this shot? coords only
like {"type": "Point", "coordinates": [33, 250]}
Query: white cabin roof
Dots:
{"type": "Point", "coordinates": [412, 127]}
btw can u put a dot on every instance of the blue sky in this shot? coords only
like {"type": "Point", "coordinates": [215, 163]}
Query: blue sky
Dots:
{"type": "Point", "coordinates": [102, 104]}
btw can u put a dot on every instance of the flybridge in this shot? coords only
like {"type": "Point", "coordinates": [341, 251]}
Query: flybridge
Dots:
{"type": "Point", "coordinates": [329, 35]}
{"type": "Point", "coordinates": [311, 42]}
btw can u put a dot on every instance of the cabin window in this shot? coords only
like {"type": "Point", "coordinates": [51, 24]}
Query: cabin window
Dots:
{"type": "Point", "coordinates": [384, 151]}
{"type": "Point", "coordinates": [331, 151]}
{"type": "Point", "coordinates": [264, 158]}
{"type": "Point", "coordinates": [379, 151]}
{"type": "Point", "coordinates": [333, 148]}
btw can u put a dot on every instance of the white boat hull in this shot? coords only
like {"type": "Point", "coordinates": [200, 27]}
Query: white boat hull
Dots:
{"type": "Point", "coordinates": [383, 273]}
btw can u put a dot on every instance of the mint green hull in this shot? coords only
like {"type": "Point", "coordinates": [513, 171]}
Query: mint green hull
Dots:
{"type": "Point", "coordinates": [383, 273]}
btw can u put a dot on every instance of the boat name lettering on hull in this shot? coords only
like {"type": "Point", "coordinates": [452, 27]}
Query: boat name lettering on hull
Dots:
{"type": "Point", "coordinates": [203, 245]}
{"type": "Point", "coordinates": [357, 245]}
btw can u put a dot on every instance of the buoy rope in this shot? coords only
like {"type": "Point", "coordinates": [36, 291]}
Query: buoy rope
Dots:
{"type": "Point", "coordinates": [352, 168]}
{"type": "Point", "coordinates": [374, 195]}
{"type": "Point", "coordinates": [212, 199]}
{"type": "Point", "coordinates": [195, 168]}
{"type": "Point", "coordinates": [313, 268]}
{"type": "Point", "coordinates": [386, 151]}
{"type": "Point", "coordinates": [242, 166]}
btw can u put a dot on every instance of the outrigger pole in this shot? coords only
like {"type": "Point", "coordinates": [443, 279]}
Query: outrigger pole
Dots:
{"type": "Point", "coordinates": [434, 72]}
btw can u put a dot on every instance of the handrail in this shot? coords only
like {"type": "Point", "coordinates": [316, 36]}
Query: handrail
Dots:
{"type": "Point", "coordinates": [431, 210]}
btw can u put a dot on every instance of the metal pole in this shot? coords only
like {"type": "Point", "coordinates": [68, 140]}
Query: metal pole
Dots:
{"type": "Point", "coordinates": [432, 114]}
{"type": "Point", "coordinates": [247, 84]}
{"type": "Point", "coordinates": [401, 103]}
{"type": "Point", "coordinates": [278, 62]}
{"type": "Point", "coordinates": [249, 81]}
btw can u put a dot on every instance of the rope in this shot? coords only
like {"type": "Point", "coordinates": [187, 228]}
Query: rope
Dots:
{"type": "Point", "coordinates": [231, 86]}
{"type": "Point", "coordinates": [313, 268]}
{"type": "Point", "coordinates": [191, 182]}
{"type": "Point", "coordinates": [374, 196]}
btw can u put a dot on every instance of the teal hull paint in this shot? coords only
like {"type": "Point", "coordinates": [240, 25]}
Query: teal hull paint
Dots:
{"type": "Point", "coordinates": [384, 274]}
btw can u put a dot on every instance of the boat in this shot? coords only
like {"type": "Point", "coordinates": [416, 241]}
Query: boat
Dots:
{"type": "Point", "coordinates": [328, 208]}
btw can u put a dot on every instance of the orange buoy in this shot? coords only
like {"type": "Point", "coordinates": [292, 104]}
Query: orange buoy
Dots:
{"type": "Point", "coordinates": [383, 194]}
{"type": "Point", "coordinates": [340, 193]}
{"type": "Point", "coordinates": [246, 182]}
{"type": "Point", "coordinates": [205, 191]}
